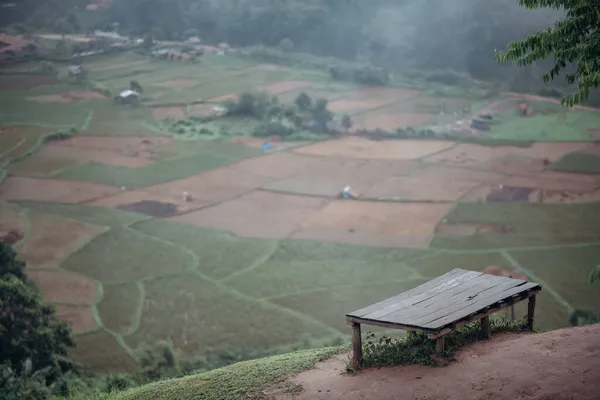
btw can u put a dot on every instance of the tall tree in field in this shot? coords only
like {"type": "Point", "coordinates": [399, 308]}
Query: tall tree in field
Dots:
{"type": "Point", "coordinates": [574, 40]}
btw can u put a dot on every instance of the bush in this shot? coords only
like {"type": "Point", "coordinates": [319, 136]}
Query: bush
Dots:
{"type": "Point", "coordinates": [286, 45]}
{"type": "Point", "coordinates": [366, 75]}
{"type": "Point", "coordinates": [250, 104]}
{"type": "Point", "coordinates": [346, 121]}
{"type": "Point", "coordinates": [280, 128]}
{"type": "Point", "coordinates": [303, 101]}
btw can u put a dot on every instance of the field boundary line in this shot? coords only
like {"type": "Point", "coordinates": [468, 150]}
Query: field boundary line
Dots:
{"type": "Point", "coordinates": [256, 264]}
{"type": "Point", "coordinates": [516, 249]}
{"type": "Point", "coordinates": [533, 277]}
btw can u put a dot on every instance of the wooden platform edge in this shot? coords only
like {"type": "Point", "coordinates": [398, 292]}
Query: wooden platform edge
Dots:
{"type": "Point", "coordinates": [350, 320]}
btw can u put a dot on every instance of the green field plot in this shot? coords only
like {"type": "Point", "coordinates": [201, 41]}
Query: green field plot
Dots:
{"type": "Point", "coordinates": [441, 263]}
{"type": "Point", "coordinates": [40, 167]}
{"type": "Point", "coordinates": [566, 270]}
{"type": "Point", "coordinates": [102, 350]}
{"type": "Point", "coordinates": [299, 276]}
{"type": "Point", "coordinates": [16, 110]}
{"type": "Point", "coordinates": [219, 254]}
{"type": "Point", "coordinates": [125, 255]}
{"type": "Point", "coordinates": [120, 306]}
{"type": "Point", "coordinates": [19, 141]}
{"type": "Point", "coordinates": [329, 305]}
{"type": "Point", "coordinates": [110, 217]}
{"type": "Point", "coordinates": [549, 122]}
{"type": "Point", "coordinates": [582, 163]}
{"type": "Point", "coordinates": [524, 225]}
{"type": "Point", "coordinates": [153, 174]}
{"type": "Point", "coordinates": [109, 119]}
{"type": "Point", "coordinates": [199, 316]}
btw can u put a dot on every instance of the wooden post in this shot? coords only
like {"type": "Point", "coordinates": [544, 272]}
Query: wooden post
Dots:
{"type": "Point", "coordinates": [485, 327]}
{"type": "Point", "coordinates": [512, 312]}
{"type": "Point", "coordinates": [439, 346]}
{"type": "Point", "coordinates": [356, 346]}
{"type": "Point", "coordinates": [531, 312]}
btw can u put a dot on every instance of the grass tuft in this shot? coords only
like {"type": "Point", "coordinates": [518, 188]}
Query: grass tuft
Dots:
{"type": "Point", "coordinates": [415, 348]}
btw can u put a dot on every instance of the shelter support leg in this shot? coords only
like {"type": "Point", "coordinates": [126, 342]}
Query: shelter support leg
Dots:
{"type": "Point", "coordinates": [531, 312]}
{"type": "Point", "coordinates": [486, 332]}
{"type": "Point", "coordinates": [357, 354]}
{"type": "Point", "coordinates": [439, 345]}
{"type": "Point", "coordinates": [512, 312]}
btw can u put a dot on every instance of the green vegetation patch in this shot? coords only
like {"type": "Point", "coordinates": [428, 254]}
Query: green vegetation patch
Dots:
{"type": "Point", "coordinates": [523, 224]}
{"type": "Point", "coordinates": [153, 174]}
{"type": "Point", "coordinates": [582, 163]}
{"type": "Point", "coordinates": [288, 274]}
{"type": "Point", "coordinates": [418, 349]}
{"type": "Point", "coordinates": [15, 109]}
{"type": "Point", "coordinates": [119, 306]}
{"type": "Point", "coordinates": [329, 305]}
{"type": "Point", "coordinates": [200, 316]}
{"type": "Point", "coordinates": [567, 271]}
{"type": "Point", "coordinates": [125, 255]}
{"type": "Point", "coordinates": [20, 141]}
{"type": "Point", "coordinates": [219, 254]}
{"type": "Point", "coordinates": [112, 120]}
{"type": "Point", "coordinates": [110, 217]}
{"type": "Point", "coordinates": [236, 382]}
{"type": "Point", "coordinates": [103, 351]}
{"type": "Point", "coordinates": [441, 263]}
{"type": "Point", "coordinates": [549, 122]}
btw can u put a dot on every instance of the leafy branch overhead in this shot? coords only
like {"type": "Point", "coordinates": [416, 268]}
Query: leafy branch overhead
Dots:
{"type": "Point", "coordinates": [574, 40]}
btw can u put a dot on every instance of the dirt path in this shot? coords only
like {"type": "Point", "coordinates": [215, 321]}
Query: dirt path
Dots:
{"type": "Point", "coordinates": [557, 365]}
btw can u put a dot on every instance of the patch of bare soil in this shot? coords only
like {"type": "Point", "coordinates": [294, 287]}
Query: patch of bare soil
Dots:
{"type": "Point", "coordinates": [561, 196]}
{"type": "Point", "coordinates": [223, 98]}
{"type": "Point", "coordinates": [68, 97]}
{"type": "Point", "coordinates": [60, 286]}
{"type": "Point", "coordinates": [79, 318]}
{"type": "Point", "coordinates": [152, 208]}
{"type": "Point", "coordinates": [21, 188]}
{"type": "Point", "coordinates": [390, 122]}
{"type": "Point", "coordinates": [271, 67]}
{"type": "Point", "coordinates": [594, 132]}
{"type": "Point", "coordinates": [160, 113]}
{"type": "Point", "coordinates": [374, 223]}
{"type": "Point", "coordinates": [417, 189]}
{"type": "Point", "coordinates": [556, 365]}
{"type": "Point", "coordinates": [10, 219]}
{"type": "Point", "coordinates": [51, 239]}
{"type": "Point", "coordinates": [202, 110]}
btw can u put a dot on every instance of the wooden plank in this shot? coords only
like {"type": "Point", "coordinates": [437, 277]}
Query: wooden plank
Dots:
{"type": "Point", "coordinates": [350, 320]}
{"type": "Point", "coordinates": [356, 346]}
{"type": "Point", "coordinates": [443, 320]}
{"type": "Point", "coordinates": [486, 332]}
{"type": "Point", "coordinates": [390, 309]}
{"type": "Point", "coordinates": [496, 308]}
{"type": "Point", "coordinates": [487, 285]}
{"type": "Point", "coordinates": [447, 300]}
{"type": "Point", "coordinates": [409, 293]}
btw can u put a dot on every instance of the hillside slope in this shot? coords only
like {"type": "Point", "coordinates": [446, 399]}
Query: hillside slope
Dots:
{"type": "Point", "coordinates": [556, 365]}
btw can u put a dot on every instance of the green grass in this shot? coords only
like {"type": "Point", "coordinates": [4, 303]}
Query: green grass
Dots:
{"type": "Point", "coordinates": [236, 382]}
{"type": "Point", "coordinates": [548, 123]}
{"type": "Point", "coordinates": [567, 271]}
{"type": "Point", "coordinates": [119, 306]}
{"type": "Point", "coordinates": [110, 217]}
{"type": "Point", "coordinates": [199, 315]}
{"type": "Point", "coordinates": [342, 300]}
{"type": "Point", "coordinates": [153, 174]}
{"type": "Point", "coordinates": [582, 163]}
{"type": "Point", "coordinates": [442, 263]}
{"type": "Point", "coordinates": [417, 349]}
{"type": "Point", "coordinates": [532, 224]}
{"type": "Point", "coordinates": [124, 255]}
{"type": "Point", "coordinates": [219, 254]}
{"type": "Point", "coordinates": [103, 351]}
{"type": "Point", "coordinates": [16, 110]}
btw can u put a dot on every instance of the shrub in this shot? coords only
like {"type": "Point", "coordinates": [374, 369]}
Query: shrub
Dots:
{"type": "Point", "coordinates": [303, 101]}
{"type": "Point", "coordinates": [250, 104]}
{"type": "Point", "coordinates": [136, 87]}
{"type": "Point", "coordinates": [286, 45]}
{"type": "Point", "coordinates": [271, 128]}
{"type": "Point", "coordinates": [367, 75]}
{"type": "Point", "coordinates": [346, 121]}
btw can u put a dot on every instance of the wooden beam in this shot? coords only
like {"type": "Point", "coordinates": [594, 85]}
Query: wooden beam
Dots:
{"type": "Point", "coordinates": [439, 345]}
{"type": "Point", "coordinates": [351, 320]}
{"type": "Point", "coordinates": [486, 332]}
{"type": "Point", "coordinates": [531, 312]}
{"type": "Point", "coordinates": [356, 346]}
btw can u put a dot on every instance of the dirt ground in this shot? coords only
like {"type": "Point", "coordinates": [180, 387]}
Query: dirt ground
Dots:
{"type": "Point", "coordinates": [374, 223]}
{"type": "Point", "coordinates": [160, 113]}
{"type": "Point", "coordinates": [51, 239]}
{"type": "Point", "coordinates": [79, 318]}
{"type": "Point", "coordinates": [201, 110]}
{"type": "Point", "coordinates": [557, 365]}
{"type": "Point", "coordinates": [282, 87]}
{"type": "Point", "coordinates": [258, 214]}
{"type": "Point", "coordinates": [275, 165]}
{"type": "Point", "coordinates": [10, 218]}
{"type": "Point", "coordinates": [390, 122]}
{"type": "Point", "coordinates": [355, 147]}
{"type": "Point", "coordinates": [223, 98]}
{"type": "Point", "coordinates": [417, 189]}
{"type": "Point", "coordinates": [21, 188]}
{"type": "Point", "coordinates": [65, 287]}
{"type": "Point", "coordinates": [69, 97]}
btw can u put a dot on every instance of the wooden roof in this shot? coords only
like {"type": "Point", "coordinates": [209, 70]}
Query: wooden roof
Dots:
{"type": "Point", "coordinates": [444, 301]}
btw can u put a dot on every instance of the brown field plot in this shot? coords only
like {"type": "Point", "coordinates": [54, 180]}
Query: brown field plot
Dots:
{"type": "Point", "coordinates": [79, 318]}
{"type": "Point", "coordinates": [21, 188]}
{"type": "Point", "coordinates": [65, 287]}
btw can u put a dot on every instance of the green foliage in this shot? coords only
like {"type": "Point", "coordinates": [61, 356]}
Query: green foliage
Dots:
{"type": "Point", "coordinates": [595, 274]}
{"type": "Point", "coordinates": [34, 343]}
{"type": "Point", "coordinates": [250, 104]}
{"type": "Point", "coordinates": [286, 45]}
{"type": "Point", "coordinates": [365, 75]}
{"type": "Point", "coordinates": [583, 317]}
{"type": "Point", "coordinates": [346, 121]}
{"type": "Point", "coordinates": [136, 87]}
{"type": "Point", "coordinates": [418, 349]}
{"type": "Point", "coordinates": [158, 362]}
{"type": "Point", "coordinates": [573, 39]}
{"type": "Point", "coordinates": [303, 101]}
{"type": "Point", "coordinates": [582, 163]}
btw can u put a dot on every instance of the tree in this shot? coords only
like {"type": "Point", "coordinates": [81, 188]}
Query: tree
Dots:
{"type": "Point", "coordinates": [31, 337]}
{"type": "Point", "coordinates": [346, 121]}
{"type": "Point", "coordinates": [303, 101]}
{"type": "Point", "coordinates": [286, 45]}
{"type": "Point", "coordinates": [136, 87]}
{"type": "Point", "coordinates": [573, 40]}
